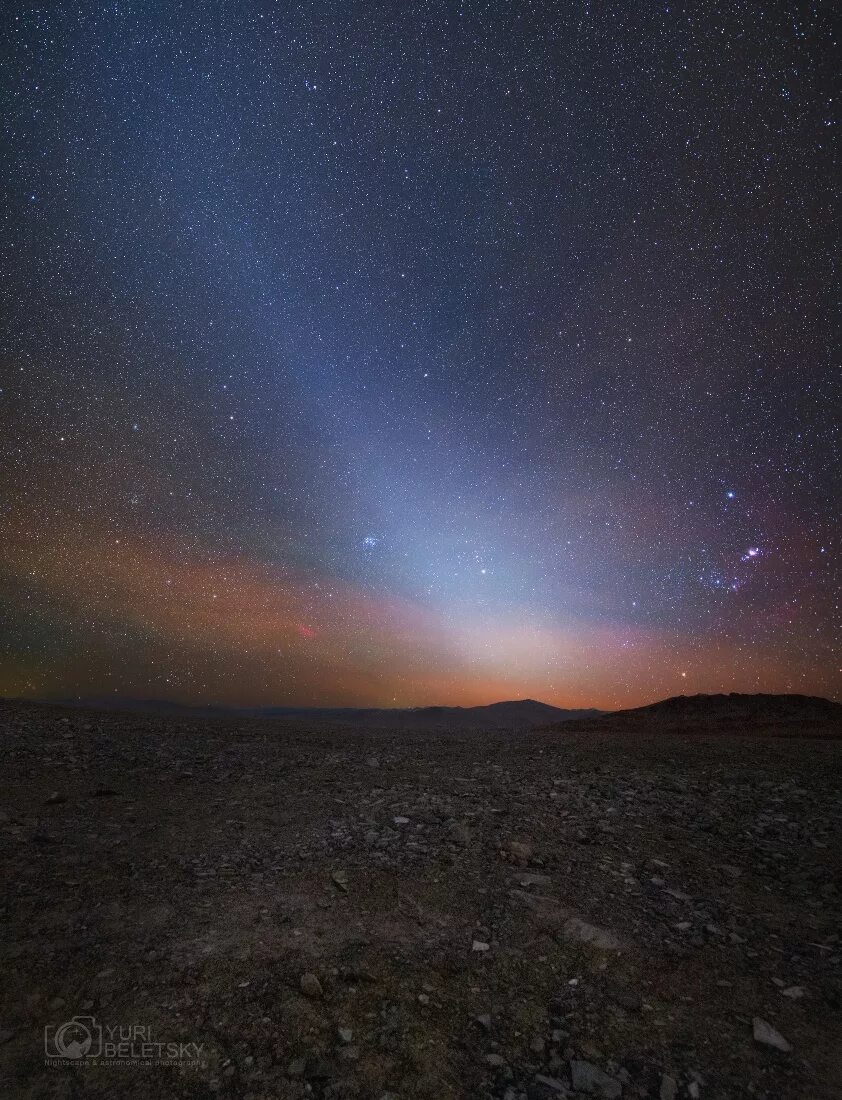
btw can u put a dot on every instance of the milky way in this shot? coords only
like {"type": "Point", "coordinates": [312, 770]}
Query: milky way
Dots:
{"type": "Point", "coordinates": [418, 353]}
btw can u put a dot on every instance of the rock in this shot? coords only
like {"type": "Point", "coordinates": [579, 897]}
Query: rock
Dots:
{"type": "Point", "coordinates": [794, 992]}
{"type": "Point", "coordinates": [576, 929]}
{"type": "Point", "coordinates": [340, 880]}
{"type": "Point", "coordinates": [55, 799]}
{"type": "Point", "coordinates": [546, 911]}
{"type": "Point", "coordinates": [537, 1045]}
{"type": "Point", "coordinates": [311, 986]}
{"type": "Point", "coordinates": [6, 1034]}
{"type": "Point", "coordinates": [346, 1035]}
{"type": "Point", "coordinates": [764, 1033]}
{"type": "Point", "coordinates": [401, 820]}
{"type": "Point", "coordinates": [627, 999]}
{"type": "Point", "coordinates": [551, 1083]}
{"type": "Point", "coordinates": [529, 879]}
{"type": "Point", "coordinates": [484, 1022]}
{"type": "Point", "coordinates": [373, 761]}
{"type": "Point", "coordinates": [589, 1078]}
{"type": "Point", "coordinates": [518, 851]}
{"type": "Point", "coordinates": [669, 1088]}
{"type": "Point", "coordinates": [495, 1060]}
{"type": "Point", "coordinates": [478, 945]}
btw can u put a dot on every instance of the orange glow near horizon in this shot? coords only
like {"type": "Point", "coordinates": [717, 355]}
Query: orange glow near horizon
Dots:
{"type": "Point", "coordinates": [160, 619]}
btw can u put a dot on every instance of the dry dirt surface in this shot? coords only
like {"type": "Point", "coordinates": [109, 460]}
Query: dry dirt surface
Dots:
{"type": "Point", "coordinates": [316, 912]}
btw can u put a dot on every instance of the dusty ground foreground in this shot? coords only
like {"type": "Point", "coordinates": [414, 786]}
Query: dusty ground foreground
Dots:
{"type": "Point", "coordinates": [336, 913]}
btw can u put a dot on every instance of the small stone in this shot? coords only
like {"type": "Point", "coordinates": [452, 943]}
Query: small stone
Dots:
{"type": "Point", "coordinates": [55, 799]}
{"type": "Point", "coordinates": [346, 1035]}
{"type": "Point", "coordinates": [519, 851]}
{"type": "Point", "coordinates": [669, 1088]}
{"type": "Point", "coordinates": [537, 1045]}
{"type": "Point", "coordinates": [589, 1078]}
{"type": "Point", "coordinates": [6, 1034]}
{"type": "Point", "coordinates": [627, 999]}
{"type": "Point", "coordinates": [460, 834]}
{"type": "Point", "coordinates": [552, 1083]}
{"type": "Point", "coordinates": [495, 1060]}
{"type": "Point", "coordinates": [484, 1022]}
{"type": "Point", "coordinates": [530, 879]}
{"type": "Point", "coordinates": [401, 820]}
{"type": "Point", "coordinates": [373, 761]}
{"type": "Point", "coordinates": [310, 985]}
{"type": "Point", "coordinates": [764, 1033]}
{"type": "Point", "coordinates": [577, 929]}
{"type": "Point", "coordinates": [794, 992]}
{"type": "Point", "coordinates": [478, 945]}
{"type": "Point", "coordinates": [340, 880]}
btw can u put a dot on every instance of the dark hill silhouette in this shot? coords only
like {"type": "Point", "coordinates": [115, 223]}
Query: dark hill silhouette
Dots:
{"type": "Point", "coordinates": [737, 705]}
{"type": "Point", "coordinates": [735, 714]}
{"type": "Point", "coordinates": [511, 714]}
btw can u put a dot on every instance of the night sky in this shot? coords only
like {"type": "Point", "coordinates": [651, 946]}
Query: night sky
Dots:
{"type": "Point", "coordinates": [410, 353]}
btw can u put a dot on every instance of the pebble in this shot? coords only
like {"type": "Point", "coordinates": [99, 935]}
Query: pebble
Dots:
{"type": "Point", "coordinates": [577, 929]}
{"type": "Point", "coordinates": [669, 1088]}
{"type": "Point", "coordinates": [311, 986]}
{"type": "Point", "coordinates": [764, 1033]}
{"type": "Point", "coordinates": [589, 1078]}
{"type": "Point", "coordinates": [519, 851]}
{"type": "Point", "coordinates": [552, 1083]}
{"type": "Point", "coordinates": [461, 835]}
{"type": "Point", "coordinates": [794, 992]}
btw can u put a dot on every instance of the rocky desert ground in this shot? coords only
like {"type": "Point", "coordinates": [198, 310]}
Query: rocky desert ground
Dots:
{"type": "Point", "coordinates": [266, 909]}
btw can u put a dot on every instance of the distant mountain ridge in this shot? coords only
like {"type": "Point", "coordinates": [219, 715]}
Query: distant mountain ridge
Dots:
{"type": "Point", "coordinates": [738, 705]}
{"type": "Point", "coordinates": [733, 715]}
{"type": "Point", "coordinates": [510, 714]}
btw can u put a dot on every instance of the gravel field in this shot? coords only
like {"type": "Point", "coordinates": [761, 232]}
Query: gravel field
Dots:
{"type": "Point", "coordinates": [324, 912]}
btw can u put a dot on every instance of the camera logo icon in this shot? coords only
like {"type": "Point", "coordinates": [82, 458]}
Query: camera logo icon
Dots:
{"type": "Point", "coordinates": [78, 1038]}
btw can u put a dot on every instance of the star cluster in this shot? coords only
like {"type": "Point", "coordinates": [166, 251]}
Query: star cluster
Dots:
{"type": "Point", "coordinates": [418, 353]}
